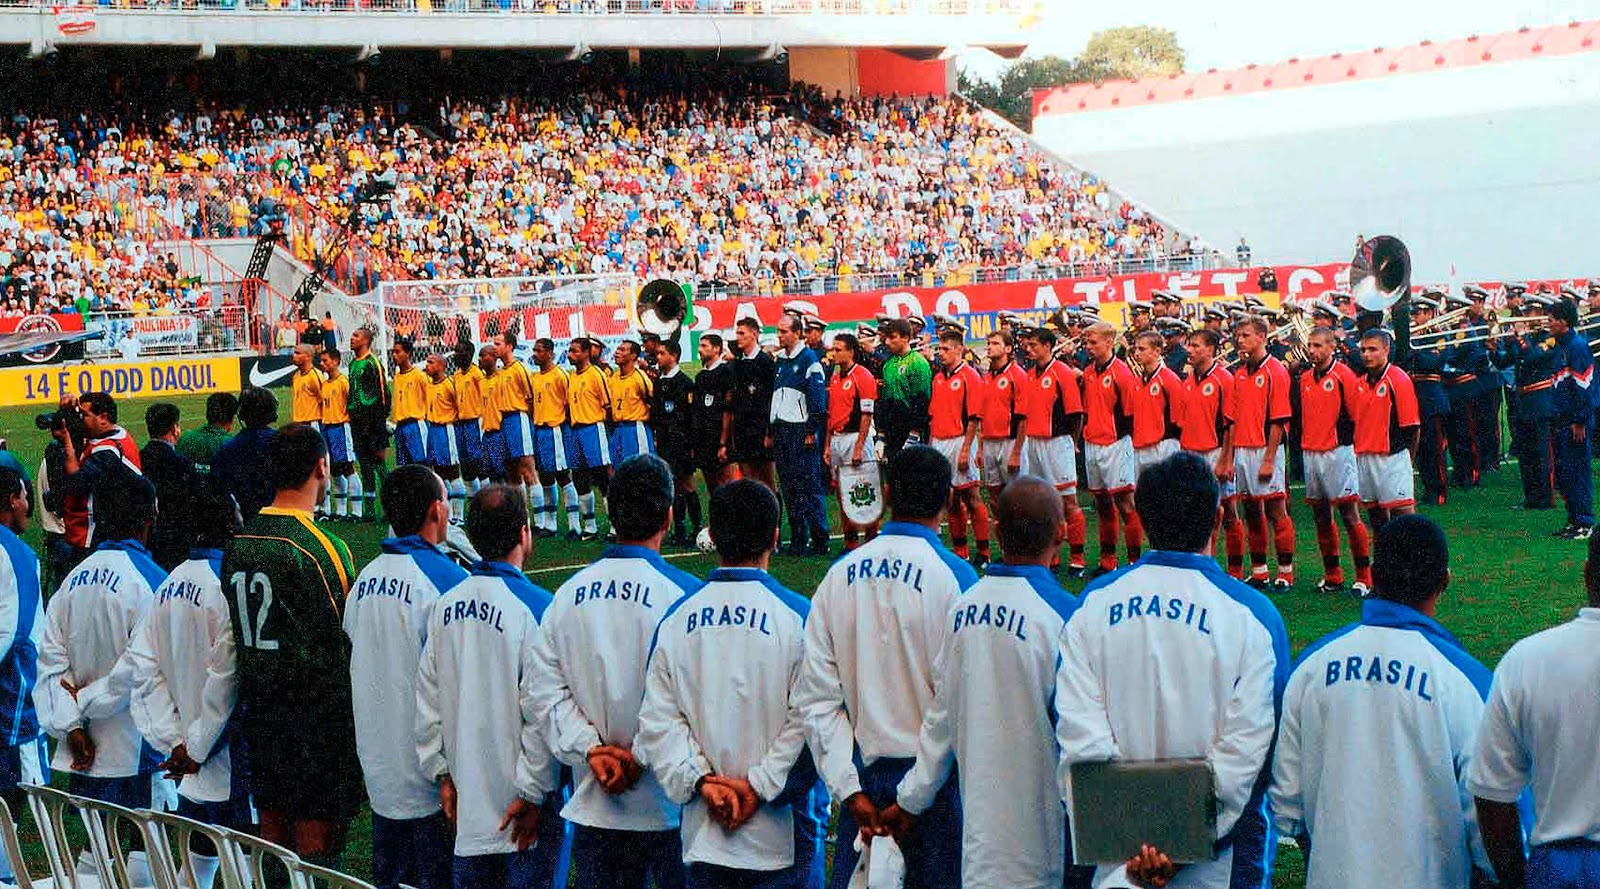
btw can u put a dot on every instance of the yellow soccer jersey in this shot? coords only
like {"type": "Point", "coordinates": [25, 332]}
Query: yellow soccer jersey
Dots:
{"type": "Point", "coordinates": [336, 400]}
{"type": "Point", "coordinates": [442, 401]}
{"type": "Point", "coordinates": [550, 389]}
{"type": "Point", "coordinates": [630, 396]}
{"type": "Point", "coordinates": [470, 386]}
{"type": "Point", "coordinates": [306, 399]}
{"type": "Point", "coordinates": [411, 395]}
{"type": "Point", "coordinates": [490, 420]}
{"type": "Point", "coordinates": [588, 396]}
{"type": "Point", "coordinates": [515, 391]}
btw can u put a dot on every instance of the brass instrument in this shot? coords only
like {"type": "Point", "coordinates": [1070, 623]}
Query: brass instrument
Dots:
{"type": "Point", "coordinates": [1440, 321]}
{"type": "Point", "coordinates": [1380, 273]}
{"type": "Point", "coordinates": [1496, 329]}
{"type": "Point", "coordinates": [1294, 334]}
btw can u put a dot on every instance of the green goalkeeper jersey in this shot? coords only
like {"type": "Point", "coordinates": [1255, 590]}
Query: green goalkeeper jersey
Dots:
{"type": "Point", "coordinates": [368, 388]}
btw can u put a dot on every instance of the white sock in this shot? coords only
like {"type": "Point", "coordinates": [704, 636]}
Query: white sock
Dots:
{"type": "Point", "coordinates": [458, 500]}
{"type": "Point", "coordinates": [340, 494]}
{"type": "Point", "coordinates": [204, 873]}
{"type": "Point", "coordinates": [139, 871]}
{"type": "Point", "coordinates": [85, 863]}
{"type": "Point", "coordinates": [536, 503]}
{"type": "Point", "coordinates": [356, 498]}
{"type": "Point", "coordinates": [586, 507]}
{"type": "Point", "coordinates": [552, 502]}
{"type": "Point", "coordinates": [570, 492]}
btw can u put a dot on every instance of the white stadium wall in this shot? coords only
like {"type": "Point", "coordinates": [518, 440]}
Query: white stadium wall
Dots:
{"type": "Point", "coordinates": [1491, 168]}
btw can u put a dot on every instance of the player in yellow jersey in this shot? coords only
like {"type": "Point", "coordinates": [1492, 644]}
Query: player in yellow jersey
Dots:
{"type": "Point", "coordinates": [305, 400]}
{"type": "Point", "coordinates": [470, 382]}
{"type": "Point", "coordinates": [552, 437]}
{"type": "Point", "coordinates": [410, 406]}
{"type": "Point", "coordinates": [589, 406]}
{"type": "Point", "coordinates": [444, 454]}
{"type": "Point", "coordinates": [631, 391]}
{"type": "Point", "coordinates": [514, 394]}
{"type": "Point", "coordinates": [344, 497]}
{"type": "Point", "coordinates": [494, 440]}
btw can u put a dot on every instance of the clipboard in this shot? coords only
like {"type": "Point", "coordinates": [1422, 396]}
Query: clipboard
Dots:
{"type": "Point", "coordinates": [1117, 806]}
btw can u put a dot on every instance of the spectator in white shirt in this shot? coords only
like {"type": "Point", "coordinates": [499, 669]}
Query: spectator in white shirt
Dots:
{"type": "Point", "coordinates": [1539, 732]}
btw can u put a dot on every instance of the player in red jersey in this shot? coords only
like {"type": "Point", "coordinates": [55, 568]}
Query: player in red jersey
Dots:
{"type": "Point", "coordinates": [852, 391]}
{"type": "Point", "coordinates": [1327, 428]}
{"type": "Point", "coordinates": [1004, 408]}
{"type": "Point", "coordinates": [955, 412]}
{"type": "Point", "coordinates": [1108, 391]}
{"type": "Point", "coordinates": [1208, 431]}
{"type": "Point", "coordinates": [1157, 405]}
{"type": "Point", "coordinates": [1388, 426]}
{"type": "Point", "coordinates": [1262, 411]}
{"type": "Point", "coordinates": [1054, 418]}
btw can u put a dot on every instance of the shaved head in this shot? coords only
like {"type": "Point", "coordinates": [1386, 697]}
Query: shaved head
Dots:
{"type": "Point", "coordinates": [1032, 521]}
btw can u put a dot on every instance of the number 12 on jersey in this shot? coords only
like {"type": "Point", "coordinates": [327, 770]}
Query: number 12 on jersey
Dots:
{"type": "Point", "coordinates": [256, 589]}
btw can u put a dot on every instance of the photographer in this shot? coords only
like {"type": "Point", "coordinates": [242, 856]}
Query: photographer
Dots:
{"type": "Point", "coordinates": [95, 453]}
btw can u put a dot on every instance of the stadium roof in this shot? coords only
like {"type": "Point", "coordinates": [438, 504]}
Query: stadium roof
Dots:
{"type": "Point", "coordinates": [1522, 44]}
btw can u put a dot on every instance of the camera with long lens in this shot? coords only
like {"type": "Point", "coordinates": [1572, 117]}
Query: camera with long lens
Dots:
{"type": "Point", "coordinates": [68, 418]}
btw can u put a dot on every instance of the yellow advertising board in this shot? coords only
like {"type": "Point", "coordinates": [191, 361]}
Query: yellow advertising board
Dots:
{"type": "Point", "coordinates": [45, 385]}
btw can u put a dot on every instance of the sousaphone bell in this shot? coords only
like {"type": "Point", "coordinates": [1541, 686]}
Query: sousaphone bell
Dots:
{"type": "Point", "coordinates": [661, 308]}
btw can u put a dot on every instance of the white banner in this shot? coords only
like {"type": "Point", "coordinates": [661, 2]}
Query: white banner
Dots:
{"type": "Point", "coordinates": [74, 21]}
{"type": "Point", "coordinates": [151, 331]}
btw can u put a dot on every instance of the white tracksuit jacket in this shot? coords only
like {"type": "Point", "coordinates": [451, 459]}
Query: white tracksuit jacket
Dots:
{"type": "Point", "coordinates": [878, 620]}
{"type": "Point", "coordinates": [992, 715]}
{"type": "Point", "coordinates": [183, 657]}
{"type": "Point", "coordinates": [1379, 724]}
{"type": "Point", "coordinates": [88, 624]}
{"type": "Point", "coordinates": [386, 617]}
{"type": "Point", "coordinates": [1172, 658]}
{"type": "Point", "coordinates": [475, 714]}
{"type": "Point", "coordinates": [593, 646]}
{"type": "Point", "coordinates": [718, 701]}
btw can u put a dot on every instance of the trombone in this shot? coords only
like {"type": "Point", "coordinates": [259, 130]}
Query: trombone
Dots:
{"type": "Point", "coordinates": [1495, 330]}
{"type": "Point", "coordinates": [1437, 322]}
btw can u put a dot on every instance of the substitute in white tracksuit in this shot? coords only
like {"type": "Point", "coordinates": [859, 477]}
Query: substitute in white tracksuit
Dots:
{"type": "Point", "coordinates": [992, 712]}
{"type": "Point", "coordinates": [718, 705]}
{"type": "Point", "coordinates": [1379, 723]}
{"type": "Point", "coordinates": [877, 623]}
{"type": "Point", "coordinates": [593, 646]}
{"type": "Point", "coordinates": [1172, 658]}
{"type": "Point", "coordinates": [476, 721]}
{"type": "Point", "coordinates": [22, 750]}
{"type": "Point", "coordinates": [386, 617]}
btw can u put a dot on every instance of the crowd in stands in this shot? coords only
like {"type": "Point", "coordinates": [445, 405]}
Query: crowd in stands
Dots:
{"type": "Point", "coordinates": [749, 191]}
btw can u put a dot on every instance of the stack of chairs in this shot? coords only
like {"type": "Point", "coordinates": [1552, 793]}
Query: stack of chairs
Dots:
{"type": "Point", "coordinates": [246, 861]}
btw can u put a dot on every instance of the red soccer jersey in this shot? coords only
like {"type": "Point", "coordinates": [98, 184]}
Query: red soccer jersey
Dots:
{"type": "Point", "coordinates": [1053, 399]}
{"type": "Point", "coordinates": [1005, 401]}
{"type": "Point", "coordinates": [1384, 408]}
{"type": "Point", "coordinates": [1107, 395]}
{"type": "Point", "coordinates": [1260, 400]}
{"type": "Point", "coordinates": [1327, 407]}
{"type": "Point", "coordinates": [1156, 406]}
{"type": "Point", "coordinates": [1207, 409]}
{"type": "Point", "coordinates": [850, 394]}
{"type": "Point", "coordinates": [957, 399]}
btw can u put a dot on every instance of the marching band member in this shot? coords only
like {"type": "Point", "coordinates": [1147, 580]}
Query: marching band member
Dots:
{"type": "Point", "coordinates": [1207, 425]}
{"type": "Point", "coordinates": [1486, 403]}
{"type": "Point", "coordinates": [1386, 433]}
{"type": "Point", "coordinates": [1054, 413]}
{"type": "Point", "coordinates": [1428, 360]}
{"type": "Point", "coordinates": [1532, 359]}
{"type": "Point", "coordinates": [955, 415]}
{"type": "Point", "coordinates": [1573, 423]}
{"type": "Point", "coordinates": [1139, 320]}
{"type": "Point", "coordinates": [1156, 405]}
{"type": "Point", "coordinates": [1327, 436]}
{"type": "Point", "coordinates": [1173, 353]}
{"type": "Point", "coordinates": [1261, 392]}
{"type": "Point", "coordinates": [1462, 368]}
{"type": "Point", "coordinates": [1108, 392]}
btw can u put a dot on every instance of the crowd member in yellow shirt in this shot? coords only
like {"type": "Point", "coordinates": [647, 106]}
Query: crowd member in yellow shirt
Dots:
{"type": "Point", "coordinates": [515, 396]}
{"type": "Point", "coordinates": [493, 468]}
{"type": "Point", "coordinates": [631, 390]}
{"type": "Point", "coordinates": [589, 406]}
{"type": "Point", "coordinates": [410, 406]}
{"type": "Point", "coordinates": [470, 382]}
{"type": "Point", "coordinates": [552, 434]}
{"type": "Point", "coordinates": [305, 399]}
{"type": "Point", "coordinates": [444, 454]}
{"type": "Point", "coordinates": [344, 490]}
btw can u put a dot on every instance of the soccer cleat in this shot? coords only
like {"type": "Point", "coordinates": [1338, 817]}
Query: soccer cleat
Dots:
{"type": "Point", "coordinates": [1328, 587]}
{"type": "Point", "coordinates": [1077, 572]}
{"type": "Point", "coordinates": [979, 563]}
{"type": "Point", "coordinates": [1360, 590]}
{"type": "Point", "coordinates": [1566, 532]}
{"type": "Point", "coordinates": [1282, 584]}
{"type": "Point", "coordinates": [821, 550]}
{"type": "Point", "coordinates": [1582, 532]}
{"type": "Point", "coordinates": [573, 536]}
{"type": "Point", "coordinates": [590, 537]}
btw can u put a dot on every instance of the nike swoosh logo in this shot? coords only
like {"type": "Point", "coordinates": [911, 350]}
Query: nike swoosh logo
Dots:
{"type": "Point", "coordinates": [263, 380]}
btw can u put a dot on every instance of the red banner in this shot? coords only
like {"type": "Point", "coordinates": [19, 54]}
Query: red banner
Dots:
{"type": "Point", "coordinates": [68, 323]}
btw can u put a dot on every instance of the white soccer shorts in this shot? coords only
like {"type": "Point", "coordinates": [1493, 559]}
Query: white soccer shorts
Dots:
{"type": "Point", "coordinates": [951, 449]}
{"type": "Point", "coordinates": [1230, 488]}
{"type": "Point", "coordinates": [1111, 468]}
{"type": "Point", "coordinates": [1246, 465]}
{"type": "Point", "coordinates": [1053, 459]}
{"type": "Point", "coordinates": [1331, 476]}
{"type": "Point", "coordinates": [1161, 450]}
{"type": "Point", "coordinates": [1385, 480]}
{"type": "Point", "coordinates": [996, 455]}
{"type": "Point", "coordinates": [842, 444]}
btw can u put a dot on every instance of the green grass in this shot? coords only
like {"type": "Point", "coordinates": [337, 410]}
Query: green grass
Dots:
{"type": "Point", "coordinates": [1510, 578]}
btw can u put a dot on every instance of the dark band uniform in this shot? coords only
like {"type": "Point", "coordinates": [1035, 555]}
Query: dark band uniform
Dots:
{"type": "Point", "coordinates": [1433, 406]}
{"type": "Point", "coordinates": [1533, 360]}
{"type": "Point", "coordinates": [1464, 368]}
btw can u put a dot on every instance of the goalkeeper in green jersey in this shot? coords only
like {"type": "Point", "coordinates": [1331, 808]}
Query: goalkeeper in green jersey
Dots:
{"type": "Point", "coordinates": [285, 580]}
{"type": "Point", "coordinates": [905, 393]}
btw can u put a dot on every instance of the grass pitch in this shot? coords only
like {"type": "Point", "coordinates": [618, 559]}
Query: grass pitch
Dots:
{"type": "Point", "coordinates": [1510, 578]}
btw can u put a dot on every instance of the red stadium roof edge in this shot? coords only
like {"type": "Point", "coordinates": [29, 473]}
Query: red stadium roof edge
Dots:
{"type": "Point", "coordinates": [1521, 44]}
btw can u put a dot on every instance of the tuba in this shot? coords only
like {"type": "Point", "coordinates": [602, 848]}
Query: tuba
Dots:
{"type": "Point", "coordinates": [661, 308]}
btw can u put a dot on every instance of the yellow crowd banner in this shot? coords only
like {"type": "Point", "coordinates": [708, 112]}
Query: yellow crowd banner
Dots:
{"type": "Point", "coordinates": [47, 384]}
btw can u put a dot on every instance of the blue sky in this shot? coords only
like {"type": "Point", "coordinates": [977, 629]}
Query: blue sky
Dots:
{"type": "Point", "coordinates": [1232, 33]}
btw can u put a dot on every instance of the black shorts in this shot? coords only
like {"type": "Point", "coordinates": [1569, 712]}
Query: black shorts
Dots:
{"type": "Point", "coordinates": [679, 458]}
{"type": "Point", "coordinates": [308, 772]}
{"type": "Point", "coordinates": [369, 434]}
{"type": "Point", "coordinates": [749, 441]}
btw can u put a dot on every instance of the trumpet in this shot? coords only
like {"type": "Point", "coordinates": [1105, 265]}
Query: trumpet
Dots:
{"type": "Point", "coordinates": [1440, 321]}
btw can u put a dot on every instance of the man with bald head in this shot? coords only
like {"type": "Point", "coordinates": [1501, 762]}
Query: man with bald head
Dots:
{"type": "Point", "coordinates": [991, 712]}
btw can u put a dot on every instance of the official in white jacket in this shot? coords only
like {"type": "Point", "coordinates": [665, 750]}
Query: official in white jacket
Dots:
{"type": "Point", "coordinates": [183, 703]}
{"type": "Point", "coordinates": [877, 623]}
{"type": "Point", "coordinates": [479, 734]}
{"type": "Point", "coordinates": [386, 617]}
{"type": "Point", "coordinates": [1538, 733]}
{"type": "Point", "coordinates": [82, 695]}
{"type": "Point", "coordinates": [992, 708]}
{"type": "Point", "coordinates": [1378, 727]}
{"type": "Point", "coordinates": [719, 729]}
{"type": "Point", "coordinates": [22, 750]}
{"type": "Point", "coordinates": [1171, 658]}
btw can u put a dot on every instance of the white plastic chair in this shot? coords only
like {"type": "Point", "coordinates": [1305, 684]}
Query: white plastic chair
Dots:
{"type": "Point", "coordinates": [244, 859]}
{"type": "Point", "coordinates": [10, 838]}
{"type": "Point", "coordinates": [166, 840]}
{"type": "Point", "coordinates": [49, 808]}
{"type": "Point", "coordinates": [311, 876]}
{"type": "Point", "coordinates": [107, 826]}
